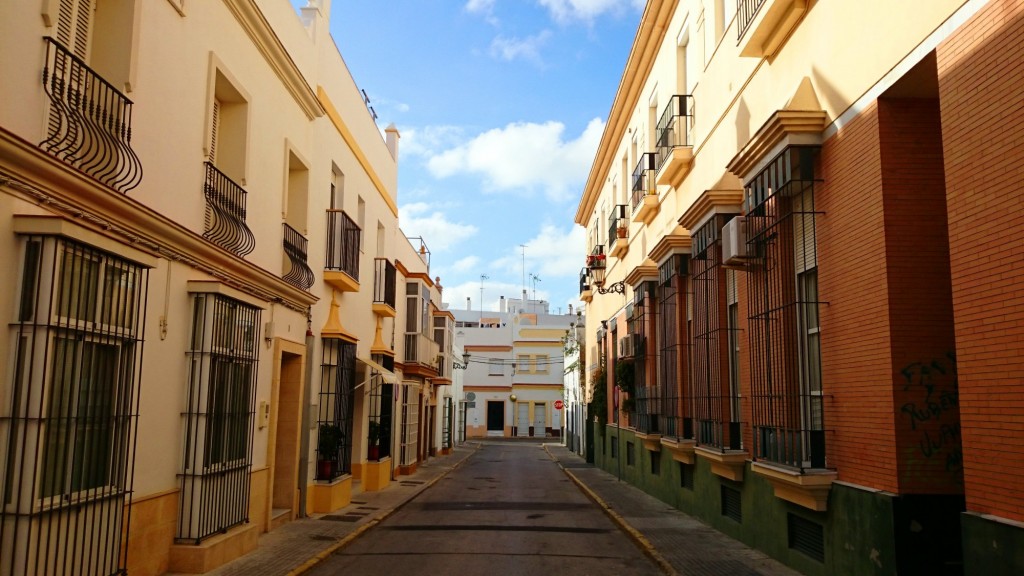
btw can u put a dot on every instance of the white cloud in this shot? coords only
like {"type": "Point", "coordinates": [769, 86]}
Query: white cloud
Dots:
{"type": "Point", "coordinates": [485, 7]}
{"type": "Point", "coordinates": [440, 234]}
{"type": "Point", "coordinates": [524, 156]}
{"type": "Point", "coordinates": [553, 254]}
{"type": "Point", "coordinates": [587, 10]}
{"type": "Point", "coordinates": [526, 48]}
{"type": "Point", "coordinates": [465, 264]}
{"type": "Point", "coordinates": [427, 140]}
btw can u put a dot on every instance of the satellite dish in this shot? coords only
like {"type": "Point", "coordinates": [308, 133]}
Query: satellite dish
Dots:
{"type": "Point", "coordinates": [470, 396]}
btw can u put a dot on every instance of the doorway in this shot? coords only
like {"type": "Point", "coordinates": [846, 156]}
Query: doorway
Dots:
{"type": "Point", "coordinates": [522, 419]}
{"type": "Point", "coordinates": [495, 418]}
{"type": "Point", "coordinates": [539, 420]}
{"type": "Point", "coordinates": [286, 437]}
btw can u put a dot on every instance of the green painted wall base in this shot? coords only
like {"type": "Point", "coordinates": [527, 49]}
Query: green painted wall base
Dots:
{"type": "Point", "coordinates": [865, 531]}
{"type": "Point", "coordinates": [992, 547]}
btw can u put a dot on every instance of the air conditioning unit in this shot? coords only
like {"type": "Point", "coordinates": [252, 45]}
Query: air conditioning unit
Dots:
{"type": "Point", "coordinates": [626, 346]}
{"type": "Point", "coordinates": [734, 243]}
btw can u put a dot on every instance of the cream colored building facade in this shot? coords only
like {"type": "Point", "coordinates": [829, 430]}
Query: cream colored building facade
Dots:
{"type": "Point", "coordinates": [206, 301]}
{"type": "Point", "coordinates": [513, 381]}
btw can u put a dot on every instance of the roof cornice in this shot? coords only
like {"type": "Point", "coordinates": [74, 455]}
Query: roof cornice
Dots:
{"type": "Point", "coordinates": [649, 36]}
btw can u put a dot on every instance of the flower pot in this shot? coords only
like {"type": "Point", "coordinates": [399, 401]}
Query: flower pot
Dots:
{"type": "Point", "coordinates": [373, 452]}
{"type": "Point", "coordinates": [324, 469]}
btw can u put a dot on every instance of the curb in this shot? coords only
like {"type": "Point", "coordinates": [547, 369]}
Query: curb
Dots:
{"type": "Point", "coordinates": [325, 553]}
{"type": "Point", "coordinates": [639, 539]}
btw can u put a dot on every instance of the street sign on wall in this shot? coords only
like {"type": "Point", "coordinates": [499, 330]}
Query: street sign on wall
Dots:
{"type": "Point", "coordinates": [558, 404]}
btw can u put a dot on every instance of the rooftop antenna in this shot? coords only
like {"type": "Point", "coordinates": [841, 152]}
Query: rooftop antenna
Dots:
{"type": "Point", "coordinates": [534, 278]}
{"type": "Point", "coordinates": [482, 278]}
{"type": "Point", "coordinates": [523, 246]}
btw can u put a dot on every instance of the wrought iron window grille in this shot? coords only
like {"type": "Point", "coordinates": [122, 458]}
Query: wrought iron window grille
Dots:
{"type": "Point", "coordinates": [219, 417]}
{"type": "Point", "coordinates": [90, 121]}
{"type": "Point", "coordinates": [674, 127]}
{"type": "Point", "coordinates": [643, 178]}
{"type": "Point", "coordinates": [343, 243]}
{"type": "Point", "coordinates": [225, 213]}
{"type": "Point", "coordinates": [336, 401]}
{"type": "Point", "coordinates": [71, 418]}
{"type": "Point", "coordinates": [384, 282]}
{"type": "Point", "coordinates": [296, 248]}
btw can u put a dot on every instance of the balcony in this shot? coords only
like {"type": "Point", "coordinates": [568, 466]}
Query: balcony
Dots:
{"type": "Point", "coordinates": [383, 287]}
{"type": "Point", "coordinates": [644, 199]}
{"type": "Point", "coordinates": [674, 142]}
{"type": "Point", "coordinates": [596, 258]}
{"type": "Point", "coordinates": [225, 213]}
{"type": "Point", "coordinates": [618, 231]}
{"type": "Point", "coordinates": [585, 294]}
{"type": "Point", "coordinates": [90, 122]}
{"type": "Point", "coordinates": [342, 267]}
{"type": "Point", "coordinates": [296, 249]}
{"type": "Point", "coordinates": [762, 25]}
{"type": "Point", "coordinates": [421, 355]}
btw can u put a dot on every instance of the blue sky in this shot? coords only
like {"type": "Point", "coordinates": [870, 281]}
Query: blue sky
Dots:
{"type": "Point", "coordinates": [500, 105]}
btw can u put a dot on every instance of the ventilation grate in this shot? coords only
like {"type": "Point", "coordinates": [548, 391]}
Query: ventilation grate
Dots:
{"type": "Point", "coordinates": [732, 504]}
{"type": "Point", "coordinates": [806, 537]}
{"type": "Point", "coordinates": [686, 476]}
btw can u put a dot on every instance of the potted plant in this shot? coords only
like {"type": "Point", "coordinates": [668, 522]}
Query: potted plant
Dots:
{"type": "Point", "coordinates": [625, 379]}
{"type": "Point", "coordinates": [373, 450]}
{"type": "Point", "coordinates": [328, 446]}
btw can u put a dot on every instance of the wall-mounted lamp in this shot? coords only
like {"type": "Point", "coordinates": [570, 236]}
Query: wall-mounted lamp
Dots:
{"type": "Point", "coordinates": [597, 275]}
{"type": "Point", "coordinates": [465, 362]}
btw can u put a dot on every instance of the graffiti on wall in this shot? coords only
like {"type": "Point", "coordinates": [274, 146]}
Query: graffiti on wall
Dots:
{"type": "Point", "coordinates": [931, 407]}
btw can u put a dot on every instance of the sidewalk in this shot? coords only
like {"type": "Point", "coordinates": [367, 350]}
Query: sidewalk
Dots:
{"type": "Point", "coordinates": [679, 543]}
{"type": "Point", "coordinates": [300, 544]}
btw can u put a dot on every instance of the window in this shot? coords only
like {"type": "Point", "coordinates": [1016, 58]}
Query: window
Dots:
{"type": "Point", "coordinates": [630, 454]}
{"type": "Point", "coordinates": [783, 323]}
{"type": "Point", "coordinates": [228, 127]}
{"type": "Point", "coordinates": [655, 462]}
{"type": "Point", "coordinates": [686, 472]}
{"type": "Point", "coordinates": [219, 415]}
{"type": "Point", "coordinates": [77, 350]}
{"type": "Point", "coordinates": [733, 327]}
{"type": "Point", "coordinates": [523, 363]}
{"type": "Point", "coordinates": [732, 504]}
{"type": "Point", "coordinates": [334, 421]}
{"type": "Point", "coordinates": [671, 351]}
{"type": "Point", "coordinates": [541, 363]}
{"type": "Point", "coordinates": [361, 221]}
{"type": "Point", "coordinates": [495, 367]}
{"type": "Point", "coordinates": [806, 536]}
{"type": "Point", "coordinates": [410, 423]}
{"type": "Point", "coordinates": [337, 189]}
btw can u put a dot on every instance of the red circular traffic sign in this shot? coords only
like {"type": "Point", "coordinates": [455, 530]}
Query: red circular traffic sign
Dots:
{"type": "Point", "coordinates": [558, 404]}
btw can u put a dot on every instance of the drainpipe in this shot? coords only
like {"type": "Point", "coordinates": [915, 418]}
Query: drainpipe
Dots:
{"type": "Point", "coordinates": [304, 419]}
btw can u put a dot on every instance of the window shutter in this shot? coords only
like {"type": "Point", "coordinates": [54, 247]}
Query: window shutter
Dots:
{"type": "Point", "coordinates": [805, 247]}
{"type": "Point", "coordinates": [214, 125]}
{"type": "Point", "coordinates": [74, 26]}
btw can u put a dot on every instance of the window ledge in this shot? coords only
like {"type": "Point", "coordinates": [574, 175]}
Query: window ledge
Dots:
{"type": "Point", "coordinates": [681, 449]}
{"type": "Point", "coordinates": [650, 440]}
{"type": "Point", "coordinates": [676, 167]}
{"type": "Point", "coordinates": [728, 464]}
{"type": "Point", "coordinates": [807, 489]}
{"type": "Point", "coordinates": [648, 208]}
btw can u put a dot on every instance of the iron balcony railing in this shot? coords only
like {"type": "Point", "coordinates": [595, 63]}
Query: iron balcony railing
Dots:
{"type": "Point", "coordinates": [674, 127]}
{"type": "Point", "coordinates": [90, 122]}
{"type": "Point", "coordinates": [343, 236]}
{"type": "Point", "coordinates": [225, 213]}
{"type": "Point", "coordinates": [643, 177]}
{"type": "Point", "coordinates": [296, 248]}
{"type": "Point", "coordinates": [420, 349]}
{"type": "Point", "coordinates": [383, 282]}
{"type": "Point", "coordinates": [584, 280]}
{"type": "Point", "coordinates": [596, 258]}
{"type": "Point", "coordinates": [746, 11]}
{"type": "Point", "coordinates": [618, 223]}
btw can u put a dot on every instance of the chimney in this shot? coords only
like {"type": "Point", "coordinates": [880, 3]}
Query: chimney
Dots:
{"type": "Point", "coordinates": [501, 305]}
{"type": "Point", "coordinates": [570, 309]}
{"type": "Point", "coordinates": [392, 140]}
{"type": "Point", "coordinates": [468, 306]}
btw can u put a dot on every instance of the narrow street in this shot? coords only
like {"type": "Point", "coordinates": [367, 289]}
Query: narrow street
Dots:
{"type": "Point", "coordinates": [509, 509]}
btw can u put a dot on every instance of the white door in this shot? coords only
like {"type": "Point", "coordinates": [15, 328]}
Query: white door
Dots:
{"type": "Point", "coordinates": [539, 420]}
{"type": "Point", "coordinates": [522, 419]}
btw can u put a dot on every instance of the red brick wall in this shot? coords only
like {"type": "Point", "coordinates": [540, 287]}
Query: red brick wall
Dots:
{"type": "Point", "coordinates": [927, 416]}
{"type": "Point", "coordinates": [981, 72]}
{"type": "Point", "coordinates": [855, 335]}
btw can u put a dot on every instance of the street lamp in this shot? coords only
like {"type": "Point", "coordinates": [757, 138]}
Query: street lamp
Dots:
{"type": "Point", "coordinates": [465, 362]}
{"type": "Point", "coordinates": [597, 273]}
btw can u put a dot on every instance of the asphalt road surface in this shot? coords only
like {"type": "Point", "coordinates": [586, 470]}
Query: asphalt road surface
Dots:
{"type": "Point", "coordinates": [508, 509]}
